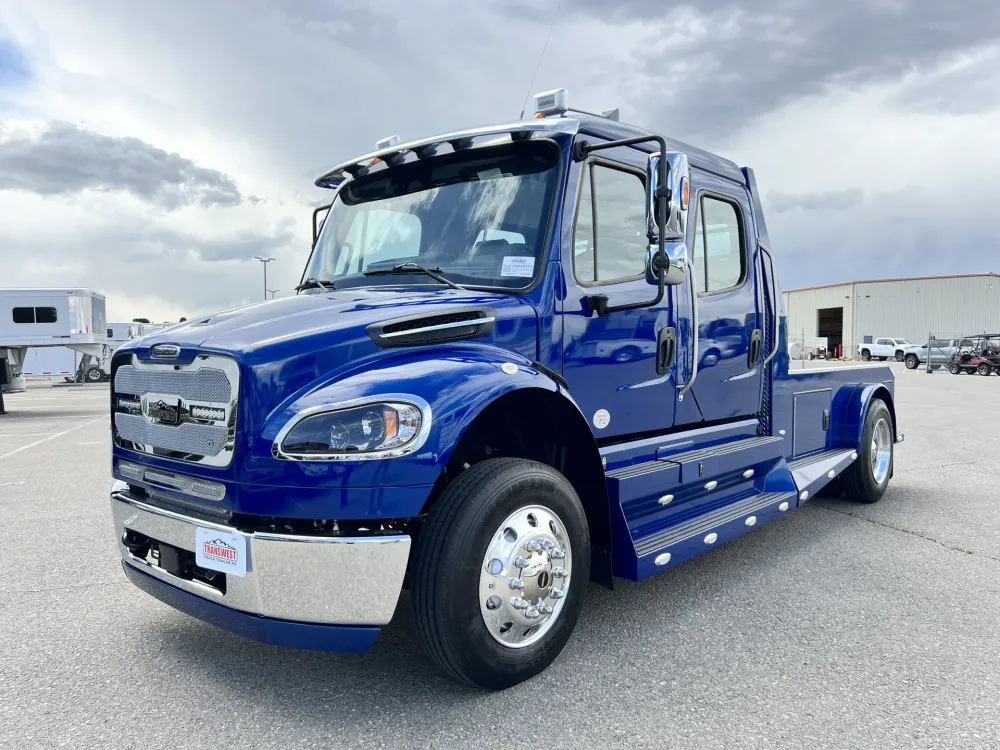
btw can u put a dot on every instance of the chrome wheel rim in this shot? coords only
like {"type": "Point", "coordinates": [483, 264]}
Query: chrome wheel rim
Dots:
{"type": "Point", "coordinates": [881, 451]}
{"type": "Point", "coordinates": [525, 576]}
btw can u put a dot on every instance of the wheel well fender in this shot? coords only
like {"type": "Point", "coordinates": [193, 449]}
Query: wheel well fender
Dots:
{"type": "Point", "coordinates": [849, 409]}
{"type": "Point", "coordinates": [542, 424]}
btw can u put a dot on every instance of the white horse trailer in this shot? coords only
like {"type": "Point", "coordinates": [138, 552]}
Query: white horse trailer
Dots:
{"type": "Point", "coordinates": [58, 362]}
{"type": "Point", "coordinates": [71, 318]}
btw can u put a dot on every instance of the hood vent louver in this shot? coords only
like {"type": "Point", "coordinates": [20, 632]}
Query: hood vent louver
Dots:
{"type": "Point", "coordinates": [450, 325]}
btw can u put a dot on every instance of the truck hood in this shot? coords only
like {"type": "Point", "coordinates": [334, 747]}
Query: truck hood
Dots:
{"type": "Point", "coordinates": [278, 329]}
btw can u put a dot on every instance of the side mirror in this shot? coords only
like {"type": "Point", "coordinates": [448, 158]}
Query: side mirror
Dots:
{"type": "Point", "coordinates": [673, 226]}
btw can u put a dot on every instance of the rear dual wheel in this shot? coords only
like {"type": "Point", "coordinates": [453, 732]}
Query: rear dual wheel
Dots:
{"type": "Point", "coordinates": [500, 572]}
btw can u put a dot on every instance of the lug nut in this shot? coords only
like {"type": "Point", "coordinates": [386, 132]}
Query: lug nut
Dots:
{"type": "Point", "coordinates": [518, 603]}
{"type": "Point", "coordinates": [515, 583]}
{"type": "Point", "coordinates": [520, 562]}
{"type": "Point", "coordinates": [555, 593]}
{"type": "Point", "coordinates": [556, 554]}
{"type": "Point", "coordinates": [533, 546]}
{"type": "Point", "coordinates": [545, 609]}
{"type": "Point", "coordinates": [531, 613]}
{"type": "Point", "coordinates": [546, 544]}
{"type": "Point", "coordinates": [559, 573]}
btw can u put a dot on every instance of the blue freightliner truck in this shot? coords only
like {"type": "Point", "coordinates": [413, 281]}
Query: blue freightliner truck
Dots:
{"type": "Point", "coordinates": [522, 358]}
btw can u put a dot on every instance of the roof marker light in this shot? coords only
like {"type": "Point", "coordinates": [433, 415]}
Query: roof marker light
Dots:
{"type": "Point", "coordinates": [551, 102]}
{"type": "Point", "coordinates": [392, 140]}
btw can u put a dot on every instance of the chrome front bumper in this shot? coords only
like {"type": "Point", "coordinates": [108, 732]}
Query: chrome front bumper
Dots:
{"type": "Point", "coordinates": [309, 579]}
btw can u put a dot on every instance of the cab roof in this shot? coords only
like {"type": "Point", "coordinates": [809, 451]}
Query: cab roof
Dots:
{"type": "Point", "coordinates": [579, 123]}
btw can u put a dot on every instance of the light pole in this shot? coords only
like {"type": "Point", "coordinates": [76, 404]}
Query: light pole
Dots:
{"type": "Point", "coordinates": [265, 261]}
{"type": "Point", "coordinates": [273, 292]}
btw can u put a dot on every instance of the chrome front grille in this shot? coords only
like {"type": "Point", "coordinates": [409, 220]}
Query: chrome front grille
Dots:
{"type": "Point", "coordinates": [186, 412]}
{"type": "Point", "coordinates": [205, 385]}
{"type": "Point", "coordinates": [188, 437]}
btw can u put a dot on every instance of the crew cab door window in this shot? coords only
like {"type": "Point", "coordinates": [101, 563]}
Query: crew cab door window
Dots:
{"type": "Point", "coordinates": [615, 249]}
{"type": "Point", "coordinates": [718, 246]}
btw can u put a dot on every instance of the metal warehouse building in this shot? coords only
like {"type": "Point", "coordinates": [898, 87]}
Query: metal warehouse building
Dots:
{"type": "Point", "coordinates": [856, 312]}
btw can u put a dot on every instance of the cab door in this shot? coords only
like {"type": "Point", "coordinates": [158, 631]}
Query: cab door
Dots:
{"type": "Point", "coordinates": [730, 324]}
{"type": "Point", "coordinates": [618, 365]}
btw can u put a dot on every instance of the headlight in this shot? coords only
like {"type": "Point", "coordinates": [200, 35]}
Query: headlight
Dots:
{"type": "Point", "coordinates": [373, 430]}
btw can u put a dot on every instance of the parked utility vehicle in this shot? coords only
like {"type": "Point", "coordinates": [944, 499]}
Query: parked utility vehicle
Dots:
{"type": "Point", "coordinates": [982, 358]}
{"type": "Point", "coordinates": [438, 408]}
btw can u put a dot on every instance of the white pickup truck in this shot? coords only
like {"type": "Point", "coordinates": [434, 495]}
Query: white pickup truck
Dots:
{"type": "Point", "coordinates": [883, 349]}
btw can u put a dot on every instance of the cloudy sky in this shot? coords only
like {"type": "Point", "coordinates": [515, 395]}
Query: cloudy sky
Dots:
{"type": "Point", "coordinates": [149, 150]}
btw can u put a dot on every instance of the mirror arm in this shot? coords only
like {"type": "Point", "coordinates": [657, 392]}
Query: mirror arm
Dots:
{"type": "Point", "coordinates": [599, 302]}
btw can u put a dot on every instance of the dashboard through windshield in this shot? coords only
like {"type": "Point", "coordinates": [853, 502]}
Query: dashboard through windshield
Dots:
{"type": "Point", "coordinates": [480, 216]}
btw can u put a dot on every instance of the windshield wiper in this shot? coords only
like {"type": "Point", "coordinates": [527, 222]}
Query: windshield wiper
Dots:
{"type": "Point", "coordinates": [410, 267]}
{"type": "Point", "coordinates": [314, 283]}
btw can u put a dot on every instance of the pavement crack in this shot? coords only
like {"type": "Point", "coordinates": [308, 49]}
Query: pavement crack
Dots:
{"type": "Point", "coordinates": [946, 545]}
{"type": "Point", "coordinates": [944, 466]}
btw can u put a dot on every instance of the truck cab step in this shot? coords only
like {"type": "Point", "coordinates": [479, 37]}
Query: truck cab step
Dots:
{"type": "Point", "coordinates": [675, 544]}
{"type": "Point", "coordinates": [812, 473]}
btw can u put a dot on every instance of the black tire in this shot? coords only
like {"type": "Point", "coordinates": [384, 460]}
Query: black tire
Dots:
{"type": "Point", "coordinates": [446, 570]}
{"type": "Point", "coordinates": [94, 375]}
{"type": "Point", "coordinates": [866, 355]}
{"type": "Point", "coordinates": [859, 481]}
{"type": "Point", "coordinates": [984, 369]}
{"type": "Point", "coordinates": [899, 356]}
{"type": "Point", "coordinates": [954, 369]}
{"type": "Point", "coordinates": [882, 359]}
{"type": "Point", "coordinates": [912, 362]}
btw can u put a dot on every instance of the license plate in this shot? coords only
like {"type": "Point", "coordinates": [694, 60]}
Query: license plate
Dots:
{"type": "Point", "coordinates": [221, 551]}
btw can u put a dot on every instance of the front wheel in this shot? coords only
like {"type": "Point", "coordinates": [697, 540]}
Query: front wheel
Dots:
{"type": "Point", "coordinates": [912, 363]}
{"type": "Point", "coordinates": [500, 572]}
{"type": "Point", "coordinates": [984, 369]}
{"type": "Point", "coordinates": [865, 480]}
{"type": "Point", "coordinates": [954, 369]}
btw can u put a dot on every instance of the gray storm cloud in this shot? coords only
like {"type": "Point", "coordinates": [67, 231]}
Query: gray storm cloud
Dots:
{"type": "Point", "coordinates": [65, 159]}
{"type": "Point", "coordinates": [301, 86]}
{"type": "Point", "coordinates": [835, 200]}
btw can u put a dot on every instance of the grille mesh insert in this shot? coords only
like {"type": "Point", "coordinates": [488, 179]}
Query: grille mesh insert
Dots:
{"type": "Point", "coordinates": [206, 384]}
{"type": "Point", "coordinates": [197, 439]}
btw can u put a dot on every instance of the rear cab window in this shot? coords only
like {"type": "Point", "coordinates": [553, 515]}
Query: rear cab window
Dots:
{"type": "Point", "coordinates": [718, 256]}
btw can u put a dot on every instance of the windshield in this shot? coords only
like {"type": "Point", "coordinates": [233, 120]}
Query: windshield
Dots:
{"type": "Point", "coordinates": [480, 216]}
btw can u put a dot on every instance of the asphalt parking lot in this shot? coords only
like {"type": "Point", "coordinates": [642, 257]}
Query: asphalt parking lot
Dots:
{"type": "Point", "coordinates": [840, 626]}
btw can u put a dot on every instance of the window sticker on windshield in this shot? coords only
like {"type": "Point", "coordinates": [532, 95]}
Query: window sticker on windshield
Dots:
{"type": "Point", "coordinates": [490, 174]}
{"type": "Point", "coordinates": [516, 265]}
